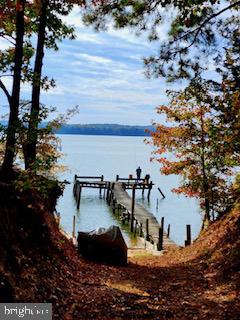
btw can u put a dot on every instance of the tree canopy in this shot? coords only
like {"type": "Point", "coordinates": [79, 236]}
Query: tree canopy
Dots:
{"type": "Point", "coordinates": [19, 24]}
{"type": "Point", "coordinates": [194, 31]}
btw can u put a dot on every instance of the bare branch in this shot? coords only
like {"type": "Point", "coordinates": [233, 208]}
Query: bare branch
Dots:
{"type": "Point", "coordinates": [3, 87]}
{"type": "Point", "coordinates": [6, 37]}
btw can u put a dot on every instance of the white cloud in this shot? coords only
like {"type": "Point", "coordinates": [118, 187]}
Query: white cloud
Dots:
{"type": "Point", "coordinates": [92, 58]}
{"type": "Point", "coordinates": [83, 36]}
{"type": "Point", "coordinates": [74, 18]}
{"type": "Point", "coordinates": [103, 74]}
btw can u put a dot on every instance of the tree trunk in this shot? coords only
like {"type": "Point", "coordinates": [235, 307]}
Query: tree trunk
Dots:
{"type": "Point", "coordinates": [205, 178]}
{"type": "Point", "coordinates": [206, 198]}
{"type": "Point", "coordinates": [32, 135]}
{"type": "Point", "coordinates": [15, 98]}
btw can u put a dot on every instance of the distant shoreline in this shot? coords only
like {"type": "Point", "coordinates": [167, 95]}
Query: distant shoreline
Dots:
{"type": "Point", "coordinates": [106, 130]}
{"type": "Point", "coordinates": [106, 134]}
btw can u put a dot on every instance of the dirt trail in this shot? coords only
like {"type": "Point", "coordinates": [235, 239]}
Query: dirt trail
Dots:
{"type": "Point", "coordinates": [38, 264]}
{"type": "Point", "coordinates": [201, 281]}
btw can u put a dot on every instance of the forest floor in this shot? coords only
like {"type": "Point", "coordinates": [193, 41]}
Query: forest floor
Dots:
{"type": "Point", "coordinates": [153, 287]}
{"type": "Point", "coordinates": [201, 281]}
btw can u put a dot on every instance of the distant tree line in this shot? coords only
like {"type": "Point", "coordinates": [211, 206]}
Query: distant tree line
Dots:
{"type": "Point", "coordinates": [105, 129]}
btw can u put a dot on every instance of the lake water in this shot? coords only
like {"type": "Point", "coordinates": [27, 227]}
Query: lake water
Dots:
{"type": "Point", "coordinates": [112, 155]}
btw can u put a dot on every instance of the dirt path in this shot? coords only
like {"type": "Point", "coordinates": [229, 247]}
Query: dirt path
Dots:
{"type": "Point", "coordinates": [39, 264]}
{"type": "Point", "coordinates": [199, 282]}
{"type": "Point", "coordinates": [151, 287]}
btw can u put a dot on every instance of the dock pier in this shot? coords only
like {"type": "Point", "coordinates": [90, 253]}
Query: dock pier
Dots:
{"type": "Point", "coordinates": [142, 222]}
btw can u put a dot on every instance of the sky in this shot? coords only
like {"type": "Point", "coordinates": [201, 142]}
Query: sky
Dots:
{"type": "Point", "coordinates": [102, 73]}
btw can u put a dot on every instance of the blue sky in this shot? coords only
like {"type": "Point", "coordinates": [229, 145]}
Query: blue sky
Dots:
{"type": "Point", "coordinates": [103, 74]}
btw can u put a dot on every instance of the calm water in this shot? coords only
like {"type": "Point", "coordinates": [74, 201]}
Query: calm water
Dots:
{"type": "Point", "coordinates": [110, 155]}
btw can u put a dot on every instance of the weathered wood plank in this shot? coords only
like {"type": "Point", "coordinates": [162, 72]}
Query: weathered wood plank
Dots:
{"type": "Point", "coordinates": [141, 214]}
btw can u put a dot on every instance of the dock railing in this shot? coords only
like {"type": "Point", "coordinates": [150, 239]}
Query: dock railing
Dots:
{"type": "Point", "coordinates": [95, 182]}
{"type": "Point", "coordinates": [140, 220]}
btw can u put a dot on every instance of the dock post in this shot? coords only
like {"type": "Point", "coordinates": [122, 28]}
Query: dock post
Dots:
{"type": "Point", "coordinates": [147, 229]}
{"type": "Point", "coordinates": [112, 193]}
{"type": "Point", "coordinates": [117, 177]}
{"type": "Point", "coordinates": [74, 224]}
{"type": "Point", "coordinates": [110, 198]}
{"type": "Point", "coordinates": [100, 189]}
{"type": "Point", "coordinates": [79, 197]}
{"type": "Point", "coordinates": [133, 205]}
{"type": "Point", "coordinates": [188, 241]}
{"type": "Point", "coordinates": [141, 230]}
{"type": "Point", "coordinates": [162, 223]}
{"type": "Point", "coordinates": [161, 192]}
{"type": "Point", "coordinates": [168, 231]}
{"type": "Point", "coordinates": [104, 192]}
{"type": "Point", "coordinates": [108, 191]}
{"type": "Point", "coordinates": [76, 191]}
{"type": "Point", "coordinates": [74, 185]}
{"type": "Point", "coordinates": [143, 189]}
{"type": "Point", "coordinates": [114, 206]}
{"type": "Point", "coordinates": [160, 235]}
{"type": "Point", "coordinates": [149, 190]}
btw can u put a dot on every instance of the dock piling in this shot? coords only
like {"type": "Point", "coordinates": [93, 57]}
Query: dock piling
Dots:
{"type": "Point", "coordinates": [100, 188]}
{"type": "Point", "coordinates": [133, 205]}
{"type": "Point", "coordinates": [168, 231]}
{"type": "Point", "coordinates": [79, 197]}
{"type": "Point", "coordinates": [160, 235]}
{"type": "Point", "coordinates": [141, 230]}
{"type": "Point", "coordinates": [188, 241]}
{"type": "Point", "coordinates": [161, 193]}
{"type": "Point", "coordinates": [108, 191]}
{"type": "Point", "coordinates": [147, 229]}
{"type": "Point", "coordinates": [74, 185]}
{"type": "Point", "coordinates": [149, 190]}
{"type": "Point", "coordinates": [74, 226]}
{"type": "Point", "coordinates": [104, 193]}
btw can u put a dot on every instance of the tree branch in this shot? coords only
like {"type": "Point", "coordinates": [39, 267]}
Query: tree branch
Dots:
{"type": "Point", "coordinates": [3, 87]}
{"type": "Point", "coordinates": [4, 36]}
{"type": "Point", "coordinates": [199, 28]}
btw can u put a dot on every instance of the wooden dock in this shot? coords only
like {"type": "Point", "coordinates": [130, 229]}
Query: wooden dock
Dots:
{"type": "Point", "coordinates": [81, 182]}
{"type": "Point", "coordinates": [142, 222]}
